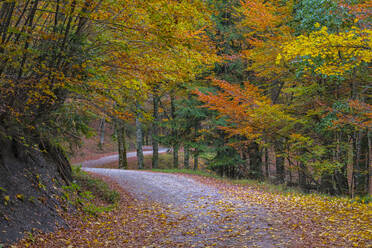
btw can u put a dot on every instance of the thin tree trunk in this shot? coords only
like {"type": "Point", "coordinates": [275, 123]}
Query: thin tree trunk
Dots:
{"type": "Point", "coordinates": [175, 156]}
{"type": "Point", "coordinates": [336, 176]}
{"type": "Point", "coordinates": [196, 160]}
{"type": "Point", "coordinates": [119, 140]}
{"type": "Point", "coordinates": [174, 132]}
{"type": "Point", "coordinates": [302, 176]}
{"type": "Point", "coordinates": [370, 162]}
{"type": "Point", "coordinates": [186, 161]}
{"type": "Point", "coordinates": [102, 133]}
{"type": "Point", "coordinates": [358, 138]}
{"type": "Point", "coordinates": [196, 152]}
{"type": "Point", "coordinates": [267, 175]}
{"type": "Point", "coordinates": [30, 23]}
{"type": "Point", "coordinates": [350, 167]}
{"type": "Point", "coordinates": [155, 133]}
{"type": "Point", "coordinates": [280, 173]}
{"type": "Point", "coordinates": [124, 160]}
{"type": "Point", "coordinates": [6, 14]}
{"type": "Point", "coordinates": [255, 165]}
{"type": "Point", "coordinates": [139, 143]}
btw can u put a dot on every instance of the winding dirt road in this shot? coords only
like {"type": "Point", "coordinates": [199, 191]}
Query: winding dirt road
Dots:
{"type": "Point", "coordinates": [114, 158]}
{"type": "Point", "coordinates": [211, 217]}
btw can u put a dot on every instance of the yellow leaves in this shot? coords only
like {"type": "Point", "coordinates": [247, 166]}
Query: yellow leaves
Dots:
{"type": "Point", "coordinates": [6, 199]}
{"type": "Point", "coordinates": [278, 59]}
{"type": "Point", "coordinates": [20, 197]}
{"type": "Point", "coordinates": [153, 43]}
{"type": "Point", "coordinates": [339, 52]}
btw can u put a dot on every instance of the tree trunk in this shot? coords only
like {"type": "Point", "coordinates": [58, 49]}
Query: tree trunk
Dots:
{"type": "Point", "coordinates": [350, 167]}
{"type": "Point", "coordinates": [102, 133]}
{"type": "Point", "coordinates": [155, 133]}
{"type": "Point", "coordinates": [358, 138]}
{"type": "Point", "coordinates": [267, 175]}
{"type": "Point", "coordinates": [186, 161]}
{"type": "Point", "coordinates": [280, 173]}
{"type": "Point", "coordinates": [336, 177]}
{"type": "Point", "coordinates": [139, 139]}
{"type": "Point", "coordinates": [255, 161]}
{"type": "Point", "coordinates": [175, 156]}
{"type": "Point", "coordinates": [119, 140]}
{"type": "Point", "coordinates": [196, 152]}
{"type": "Point", "coordinates": [122, 146]}
{"type": "Point", "coordinates": [174, 132]}
{"type": "Point", "coordinates": [302, 176]}
{"type": "Point", "coordinates": [370, 162]}
{"type": "Point", "coordinates": [6, 14]}
{"type": "Point", "coordinates": [124, 160]}
{"type": "Point", "coordinates": [196, 160]}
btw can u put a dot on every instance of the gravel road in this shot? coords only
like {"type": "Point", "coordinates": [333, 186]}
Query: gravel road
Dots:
{"type": "Point", "coordinates": [211, 217]}
{"type": "Point", "coordinates": [113, 158]}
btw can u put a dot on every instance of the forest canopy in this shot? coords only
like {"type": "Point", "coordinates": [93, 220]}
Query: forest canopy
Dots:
{"type": "Point", "coordinates": [269, 90]}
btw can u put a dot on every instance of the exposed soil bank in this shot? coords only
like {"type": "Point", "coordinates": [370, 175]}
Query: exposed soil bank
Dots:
{"type": "Point", "coordinates": [30, 183]}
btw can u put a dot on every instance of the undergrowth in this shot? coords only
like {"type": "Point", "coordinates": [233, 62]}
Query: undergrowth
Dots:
{"type": "Point", "coordinates": [85, 189]}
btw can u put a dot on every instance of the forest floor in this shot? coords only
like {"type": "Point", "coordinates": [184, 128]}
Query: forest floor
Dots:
{"type": "Point", "coordinates": [179, 210]}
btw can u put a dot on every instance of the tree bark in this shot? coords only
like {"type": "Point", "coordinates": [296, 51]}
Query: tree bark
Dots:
{"type": "Point", "coordinates": [139, 139]}
{"type": "Point", "coordinates": [266, 158]}
{"type": "Point", "coordinates": [175, 156]}
{"type": "Point", "coordinates": [358, 138]}
{"type": "Point", "coordinates": [119, 140]}
{"type": "Point", "coordinates": [155, 133]}
{"type": "Point", "coordinates": [350, 167]}
{"type": "Point", "coordinates": [196, 152]}
{"type": "Point", "coordinates": [174, 132]}
{"type": "Point", "coordinates": [255, 161]}
{"type": "Point", "coordinates": [196, 160]}
{"type": "Point", "coordinates": [302, 176]}
{"type": "Point", "coordinates": [186, 161]}
{"type": "Point", "coordinates": [369, 162]}
{"type": "Point", "coordinates": [102, 133]}
{"type": "Point", "coordinates": [280, 172]}
{"type": "Point", "coordinates": [6, 14]}
{"type": "Point", "coordinates": [124, 160]}
{"type": "Point", "coordinates": [29, 24]}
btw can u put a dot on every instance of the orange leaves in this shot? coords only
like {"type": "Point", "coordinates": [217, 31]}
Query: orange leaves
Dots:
{"type": "Point", "coordinates": [248, 112]}
{"type": "Point", "coordinates": [264, 25]}
{"type": "Point", "coordinates": [361, 10]}
{"type": "Point", "coordinates": [262, 15]}
{"type": "Point", "coordinates": [358, 115]}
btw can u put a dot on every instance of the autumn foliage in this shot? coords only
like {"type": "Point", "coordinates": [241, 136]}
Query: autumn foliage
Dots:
{"type": "Point", "coordinates": [248, 112]}
{"type": "Point", "coordinates": [74, 58]}
{"type": "Point", "coordinates": [306, 103]}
